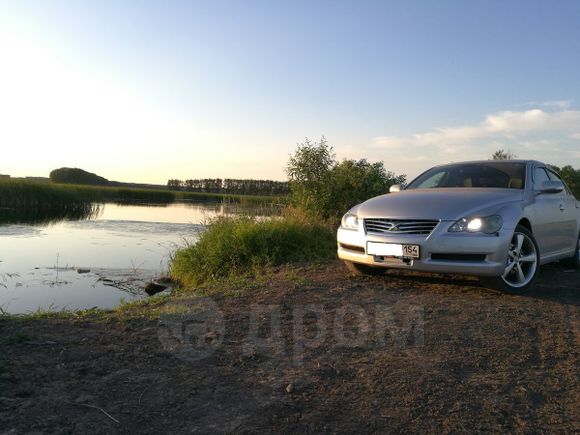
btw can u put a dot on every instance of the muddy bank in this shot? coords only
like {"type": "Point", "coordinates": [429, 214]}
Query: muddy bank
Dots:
{"type": "Point", "coordinates": [307, 350]}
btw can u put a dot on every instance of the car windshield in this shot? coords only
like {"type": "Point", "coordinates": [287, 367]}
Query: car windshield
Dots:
{"type": "Point", "coordinates": [503, 175]}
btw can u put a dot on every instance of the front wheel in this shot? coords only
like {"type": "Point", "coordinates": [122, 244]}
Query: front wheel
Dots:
{"type": "Point", "coordinates": [574, 261]}
{"type": "Point", "coordinates": [522, 266]}
{"type": "Point", "coordinates": [363, 269]}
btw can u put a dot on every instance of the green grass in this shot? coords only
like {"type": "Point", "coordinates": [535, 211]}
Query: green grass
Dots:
{"type": "Point", "coordinates": [28, 194]}
{"type": "Point", "coordinates": [24, 194]}
{"type": "Point", "coordinates": [244, 246]}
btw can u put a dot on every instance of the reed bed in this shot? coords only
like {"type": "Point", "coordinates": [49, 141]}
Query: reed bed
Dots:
{"type": "Point", "coordinates": [26, 195]}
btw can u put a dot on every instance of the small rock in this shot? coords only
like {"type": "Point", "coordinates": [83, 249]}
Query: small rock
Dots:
{"type": "Point", "coordinates": [152, 288]}
{"type": "Point", "coordinates": [290, 388]}
{"type": "Point", "coordinates": [165, 280]}
{"type": "Point", "coordinates": [83, 270]}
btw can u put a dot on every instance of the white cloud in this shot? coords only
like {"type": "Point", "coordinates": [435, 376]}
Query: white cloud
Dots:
{"type": "Point", "coordinates": [389, 142]}
{"type": "Point", "coordinates": [507, 124]}
{"type": "Point", "coordinates": [537, 133]}
{"type": "Point", "coordinates": [555, 105]}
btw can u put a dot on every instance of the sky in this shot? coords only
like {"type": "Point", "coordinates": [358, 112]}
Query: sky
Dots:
{"type": "Point", "coordinates": [144, 91]}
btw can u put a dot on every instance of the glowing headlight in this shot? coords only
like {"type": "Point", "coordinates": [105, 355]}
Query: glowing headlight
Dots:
{"type": "Point", "coordinates": [350, 221]}
{"type": "Point", "coordinates": [474, 224]}
{"type": "Point", "coordinates": [488, 224]}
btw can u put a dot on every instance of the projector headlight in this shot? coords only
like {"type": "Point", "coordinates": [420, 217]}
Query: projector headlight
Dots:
{"type": "Point", "coordinates": [487, 224]}
{"type": "Point", "coordinates": [350, 221]}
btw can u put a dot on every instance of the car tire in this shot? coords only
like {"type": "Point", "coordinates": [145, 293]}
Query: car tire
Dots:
{"type": "Point", "coordinates": [522, 266]}
{"type": "Point", "coordinates": [363, 269]}
{"type": "Point", "coordinates": [574, 261]}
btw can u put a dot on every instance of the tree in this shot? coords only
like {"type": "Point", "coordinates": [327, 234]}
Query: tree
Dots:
{"type": "Point", "coordinates": [354, 181]}
{"type": "Point", "coordinates": [323, 187]}
{"type": "Point", "coordinates": [231, 186]}
{"type": "Point", "coordinates": [503, 155]}
{"type": "Point", "coordinates": [77, 176]}
{"type": "Point", "coordinates": [571, 177]}
{"type": "Point", "coordinates": [174, 184]}
{"type": "Point", "coordinates": [309, 172]}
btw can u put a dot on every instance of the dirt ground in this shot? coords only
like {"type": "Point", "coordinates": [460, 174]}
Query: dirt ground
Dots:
{"type": "Point", "coordinates": [312, 349]}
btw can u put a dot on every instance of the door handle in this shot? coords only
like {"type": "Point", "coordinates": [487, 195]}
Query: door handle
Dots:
{"type": "Point", "coordinates": [562, 208]}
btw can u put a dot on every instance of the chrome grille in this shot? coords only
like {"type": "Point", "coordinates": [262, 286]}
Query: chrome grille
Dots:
{"type": "Point", "coordinates": [399, 226]}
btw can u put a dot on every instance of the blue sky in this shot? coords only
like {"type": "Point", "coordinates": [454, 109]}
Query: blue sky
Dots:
{"type": "Point", "coordinates": [146, 91]}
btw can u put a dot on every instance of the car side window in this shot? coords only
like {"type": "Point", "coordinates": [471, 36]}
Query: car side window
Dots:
{"type": "Point", "coordinates": [540, 175]}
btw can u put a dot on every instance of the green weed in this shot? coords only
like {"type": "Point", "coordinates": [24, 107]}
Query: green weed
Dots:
{"type": "Point", "coordinates": [245, 246]}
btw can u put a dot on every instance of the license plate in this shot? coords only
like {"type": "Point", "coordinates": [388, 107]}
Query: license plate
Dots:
{"type": "Point", "coordinates": [392, 250]}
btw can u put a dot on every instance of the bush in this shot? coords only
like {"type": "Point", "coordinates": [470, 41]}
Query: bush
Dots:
{"type": "Point", "coordinates": [243, 245]}
{"type": "Point", "coordinates": [322, 187]}
{"type": "Point", "coordinates": [355, 181]}
{"type": "Point", "coordinates": [309, 171]}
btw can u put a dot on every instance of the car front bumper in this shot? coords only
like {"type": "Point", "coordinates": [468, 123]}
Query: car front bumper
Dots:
{"type": "Point", "coordinates": [462, 253]}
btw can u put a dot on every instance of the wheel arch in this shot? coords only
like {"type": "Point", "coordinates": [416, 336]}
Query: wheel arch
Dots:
{"type": "Point", "coordinates": [525, 222]}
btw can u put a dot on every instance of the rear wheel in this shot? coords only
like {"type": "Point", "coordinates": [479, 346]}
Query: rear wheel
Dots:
{"type": "Point", "coordinates": [522, 266]}
{"type": "Point", "coordinates": [574, 261]}
{"type": "Point", "coordinates": [363, 269]}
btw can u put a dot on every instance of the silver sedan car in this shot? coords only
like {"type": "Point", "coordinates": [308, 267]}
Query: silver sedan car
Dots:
{"type": "Point", "coordinates": [500, 220]}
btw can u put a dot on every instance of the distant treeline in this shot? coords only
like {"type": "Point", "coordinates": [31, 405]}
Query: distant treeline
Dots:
{"type": "Point", "coordinates": [231, 186]}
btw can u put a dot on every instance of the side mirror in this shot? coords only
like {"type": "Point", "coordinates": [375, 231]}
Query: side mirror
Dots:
{"type": "Point", "coordinates": [395, 188]}
{"type": "Point", "coordinates": [551, 187]}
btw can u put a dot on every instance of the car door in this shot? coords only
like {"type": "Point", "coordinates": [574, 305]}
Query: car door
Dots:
{"type": "Point", "coordinates": [569, 208]}
{"type": "Point", "coordinates": [548, 220]}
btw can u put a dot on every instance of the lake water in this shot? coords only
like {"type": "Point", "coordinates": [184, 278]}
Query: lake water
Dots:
{"type": "Point", "coordinates": [123, 246]}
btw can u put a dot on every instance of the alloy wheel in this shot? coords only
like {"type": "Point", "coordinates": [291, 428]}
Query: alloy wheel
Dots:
{"type": "Point", "coordinates": [522, 261]}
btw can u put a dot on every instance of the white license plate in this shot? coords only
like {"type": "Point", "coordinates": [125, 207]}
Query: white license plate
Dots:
{"type": "Point", "coordinates": [392, 250]}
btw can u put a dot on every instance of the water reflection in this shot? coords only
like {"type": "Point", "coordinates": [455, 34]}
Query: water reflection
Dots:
{"type": "Point", "coordinates": [40, 216]}
{"type": "Point", "coordinates": [183, 212]}
{"type": "Point", "coordinates": [41, 255]}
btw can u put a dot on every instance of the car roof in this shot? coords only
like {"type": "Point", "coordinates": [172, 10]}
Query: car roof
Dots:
{"type": "Point", "coordinates": [472, 162]}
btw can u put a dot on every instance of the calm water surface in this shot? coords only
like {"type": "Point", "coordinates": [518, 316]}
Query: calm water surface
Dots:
{"type": "Point", "coordinates": [123, 246]}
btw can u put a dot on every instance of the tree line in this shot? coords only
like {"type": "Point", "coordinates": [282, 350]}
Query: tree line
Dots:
{"type": "Point", "coordinates": [231, 186]}
{"type": "Point", "coordinates": [570, 175]}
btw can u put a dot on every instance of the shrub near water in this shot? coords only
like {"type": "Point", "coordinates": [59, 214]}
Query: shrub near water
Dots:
{"type": "Point", "coordinates": [240, 246]}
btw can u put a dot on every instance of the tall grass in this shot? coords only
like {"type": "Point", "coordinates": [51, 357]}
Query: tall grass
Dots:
{"type": "Point", "coordinates": [22, 194]}
{"type": "Point", "coordinates": [39, 195]}
{"type": "Point", "coordinates": [244, 245]}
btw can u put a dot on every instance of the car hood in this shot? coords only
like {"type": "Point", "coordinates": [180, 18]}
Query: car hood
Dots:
{"type": "Point", "coordinates": [443, 204]}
